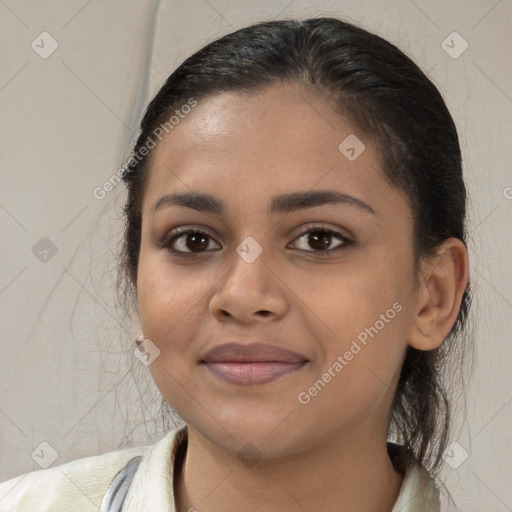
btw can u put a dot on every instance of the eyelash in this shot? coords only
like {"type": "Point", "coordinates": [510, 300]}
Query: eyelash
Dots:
{"type": "Point", "coordinates": [171, 238]}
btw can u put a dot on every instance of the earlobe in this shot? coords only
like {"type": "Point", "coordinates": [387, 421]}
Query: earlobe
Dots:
{"type": "Point", "coordinates": [443, 280]}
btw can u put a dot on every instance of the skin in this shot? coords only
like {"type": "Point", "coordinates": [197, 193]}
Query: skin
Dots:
{"type": "Point", "coordinates": [244, 149]}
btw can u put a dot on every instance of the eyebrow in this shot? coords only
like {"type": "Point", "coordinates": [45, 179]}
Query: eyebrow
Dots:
{"type": "Point", "coordinates": [279, 204]}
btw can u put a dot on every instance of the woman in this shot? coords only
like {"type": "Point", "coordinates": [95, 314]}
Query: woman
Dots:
{"type": "Point", "coordinates": [295, 248]}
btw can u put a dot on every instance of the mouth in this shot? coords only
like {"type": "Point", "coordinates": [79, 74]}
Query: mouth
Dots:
{"type": "Point", "coordinates": [253, 364]}
{"type": "Point", "coordinates": [250, 373]}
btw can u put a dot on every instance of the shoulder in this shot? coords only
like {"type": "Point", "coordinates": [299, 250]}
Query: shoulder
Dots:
{"type": "Point", "coordinates": [78, 485]}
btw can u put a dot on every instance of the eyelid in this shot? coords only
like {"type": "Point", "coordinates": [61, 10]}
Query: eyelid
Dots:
{"type": "Point", "coordinates": [322, 226]}
{"type": "Point", "coordinates": [180, 231]}
{"type": "Point", "coordinates": [346, 240]}
{"type": "Point", "coordinates": [176, 233]}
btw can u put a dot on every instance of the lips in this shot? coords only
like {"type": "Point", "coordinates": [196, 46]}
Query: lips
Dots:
{"type": "Point", "coordinates": [257, 363]}
{"type": "Point", "coordinates": [255, 352]}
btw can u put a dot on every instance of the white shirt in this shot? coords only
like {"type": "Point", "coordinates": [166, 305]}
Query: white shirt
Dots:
{"type": "Point", "coordinates": [80, 485]}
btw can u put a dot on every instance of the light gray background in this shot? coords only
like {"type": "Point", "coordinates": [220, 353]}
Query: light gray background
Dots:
{"type": "Point", "coordinates": [66, 126]}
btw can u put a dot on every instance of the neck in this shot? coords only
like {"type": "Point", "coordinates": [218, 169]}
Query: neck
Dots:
{"type": "Point", "coordinates": [335, 476]}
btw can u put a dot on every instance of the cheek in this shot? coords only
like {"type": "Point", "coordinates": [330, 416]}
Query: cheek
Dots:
{"type": "Point", "coordinates": [170, 304]}
{"type": "Point", "coordinates": [364, 309]}
{"type": "Point", "coordinates": [362, 354]}
{"type": "Point", "coordinates": [353, 296]}
{"type": "Point", "coordinates": [169, 298]}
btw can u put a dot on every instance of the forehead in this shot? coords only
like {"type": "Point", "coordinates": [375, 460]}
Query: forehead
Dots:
{"type": "Point", "coordinates": [281, 139]}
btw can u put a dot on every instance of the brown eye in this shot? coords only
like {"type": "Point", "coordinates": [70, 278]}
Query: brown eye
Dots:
{"type": "Point", "coordinates": [191, 241]}
{"type": "Point", "coordinates": [319, 239]}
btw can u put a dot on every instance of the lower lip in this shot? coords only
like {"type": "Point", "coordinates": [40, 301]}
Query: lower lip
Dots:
{"type": "Point", "coordinates": [252, 373]}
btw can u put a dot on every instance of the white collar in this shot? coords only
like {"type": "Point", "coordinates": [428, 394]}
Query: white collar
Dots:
{"type": "Point", "coordinates": [152, 485]}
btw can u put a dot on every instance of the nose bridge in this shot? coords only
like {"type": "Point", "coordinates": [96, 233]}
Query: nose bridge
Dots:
{"type": "Point", "coordinates": [249, 286]}
{"type": "Point", "coordinates": [249, 266]}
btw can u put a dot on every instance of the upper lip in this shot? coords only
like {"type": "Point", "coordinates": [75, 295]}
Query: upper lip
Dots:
{"type": "Point", "coordinates": [254, 352]}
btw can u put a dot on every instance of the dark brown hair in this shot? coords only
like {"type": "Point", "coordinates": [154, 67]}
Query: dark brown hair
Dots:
{"type": "Point", "coordinates": [386, 95]}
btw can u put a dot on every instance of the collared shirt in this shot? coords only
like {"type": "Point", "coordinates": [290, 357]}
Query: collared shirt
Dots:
{"type": "Point", "coordinates": [82, 484]}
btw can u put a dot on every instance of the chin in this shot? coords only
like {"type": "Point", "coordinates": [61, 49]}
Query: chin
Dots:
{"type": "Point", "coordinates": [239, 430]}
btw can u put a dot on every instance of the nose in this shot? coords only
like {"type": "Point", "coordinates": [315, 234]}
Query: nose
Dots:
{"type": "Point", "coordinates": [249, 292]}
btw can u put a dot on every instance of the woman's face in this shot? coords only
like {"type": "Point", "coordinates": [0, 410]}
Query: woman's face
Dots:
{"type": "Point", "coordinates": [264, 270]}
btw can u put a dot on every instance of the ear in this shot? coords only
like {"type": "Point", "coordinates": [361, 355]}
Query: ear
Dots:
{"type": "Point", "coordinates": [442, 282]}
